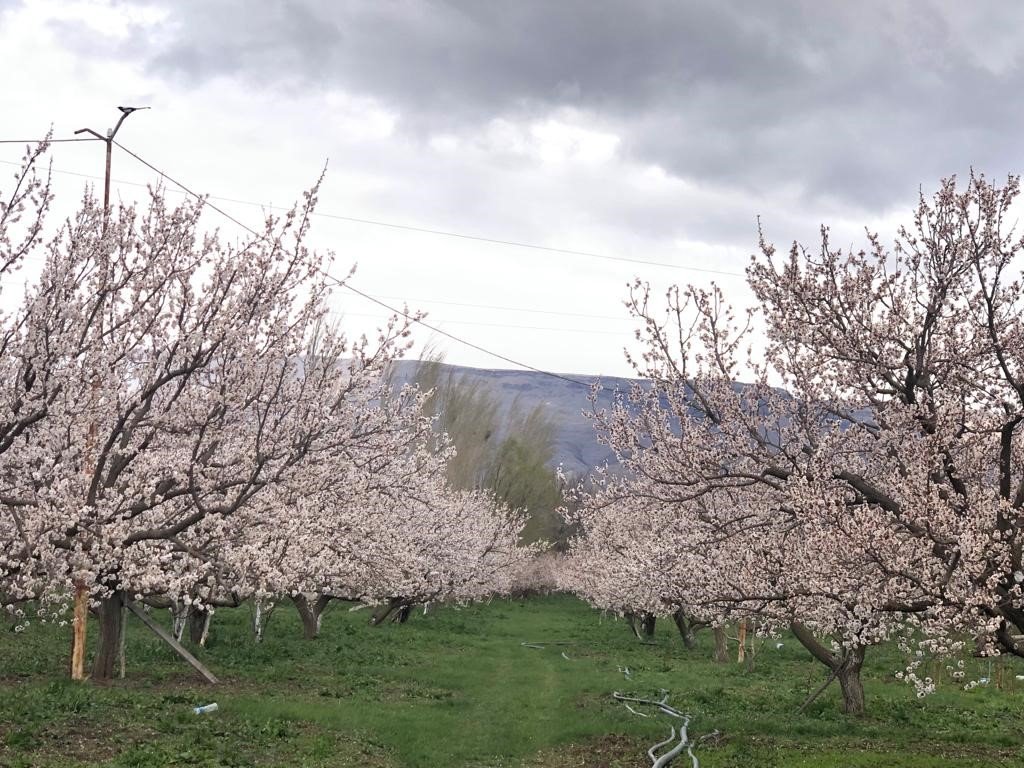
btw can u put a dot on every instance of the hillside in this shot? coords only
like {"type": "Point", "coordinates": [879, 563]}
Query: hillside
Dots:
{"type": "Point", "coordinates": [577, 448]}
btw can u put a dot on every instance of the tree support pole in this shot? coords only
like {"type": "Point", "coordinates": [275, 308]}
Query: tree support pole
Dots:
{"type": "Point", "coordinates": [78, 627]}
{"type": "Point", "coordinates": [166, 636]}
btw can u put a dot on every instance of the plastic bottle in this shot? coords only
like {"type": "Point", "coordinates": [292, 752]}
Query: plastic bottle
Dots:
{"type": "Point", "coordinates": [205, 709]}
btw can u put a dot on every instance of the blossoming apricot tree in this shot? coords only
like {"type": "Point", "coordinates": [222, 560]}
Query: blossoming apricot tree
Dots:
{"type": "Point", "coordinates": [180, 424]}
{"type": "Point", "coordinates": [869, 481]}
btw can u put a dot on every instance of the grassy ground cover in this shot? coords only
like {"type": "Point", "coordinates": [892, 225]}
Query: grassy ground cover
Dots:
{"type": "Point", "coordinates": [456, 688]}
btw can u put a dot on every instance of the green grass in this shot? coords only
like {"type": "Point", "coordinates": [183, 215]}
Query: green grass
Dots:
{"type": "Point", "coordinates": [456, 688]}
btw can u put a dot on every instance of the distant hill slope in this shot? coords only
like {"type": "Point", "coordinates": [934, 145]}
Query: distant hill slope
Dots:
{"type": "Point", "coordinates": [577, 448]}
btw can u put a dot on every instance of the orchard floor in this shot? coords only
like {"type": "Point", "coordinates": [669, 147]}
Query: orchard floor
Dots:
{"type": "Point", "coordinates": [456, 688]}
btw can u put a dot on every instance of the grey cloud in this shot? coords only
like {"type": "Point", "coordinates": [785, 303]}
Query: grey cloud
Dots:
{"type": "Point", "coordinates": [467, 60]}
{"type": "Point", "coordinates": [857, 104]}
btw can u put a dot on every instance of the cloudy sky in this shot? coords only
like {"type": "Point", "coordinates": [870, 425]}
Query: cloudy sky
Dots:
{"type": "Point", "coordinates": [633, 130]}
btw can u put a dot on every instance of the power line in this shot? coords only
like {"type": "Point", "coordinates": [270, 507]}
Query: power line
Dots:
{"type": "Point", "coordinates": [481, 323]}
{"type": "Point", "coordinates": [440, 232]}
{"type": "Point", "coordinates": [91, 176]}
{"type": "Point", "coordinates": [80, 175]}
{"type": "Point", "coordinates": [446, 303]}
{"type": "Point", "coordinates": [517, 244]}
{"type": "Point", "coordinates": [493, 241]}
{"type": "Point", "coordinates": [355, 290]}
{"type": "Point", "coordinates": [345, 285]}
{"type": "Point", "coordinates": [509, 309]}
{"type": "Point", "coordinates": [48, 141]}
{"type": "Point", "coordinates": [411, 300]}
{"type": "Point", "coordinates": [514, 326]}
{"type": "Point", "coordinates": [470, 344]}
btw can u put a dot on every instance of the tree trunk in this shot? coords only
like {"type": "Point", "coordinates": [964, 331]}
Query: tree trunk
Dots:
{"type": "Point", "coordinates": [104, 665]}
{"type": "Point", "coordinates": [311, 614]}
{"type": "Point", "coordinates": [721, 655]}
{"type": "Point", "coordinates": [753, 653]}
{"type": "Point", "coordinates": [402, 615]}
{"type": "Point", "coordinates": [179, 618]}
{"type": "Point", "coordinates": [206, 629]}
{"type": "Point", "coordinates": [648, 625]}
{"type": "Point", "coordinates": [381, 614]}
{"type": "Point", "coordinates": [121, 643]}
{"type": "Point", "coordinates": [850, 682]}
{"type": "Point", "coordinates": [631, 621]}
{"type": "Point", "coordinates": [741, 639]}
{"type": "Point", "coordinates": [685, 630]}
{"type": "Point", "coordinates": [846, 668]}
{"type": "Point", "coordinates": [198, 626]}
{"type": "Point", "coordinates": [981, 645]}
{"type": "Point", "coordinates": [260, 617]}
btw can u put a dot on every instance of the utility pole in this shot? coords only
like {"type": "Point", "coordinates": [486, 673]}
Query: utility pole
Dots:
{"type": "Point", "coordinates": [109, 141]}
{"type": "Point", "coordinates": [81, 599]}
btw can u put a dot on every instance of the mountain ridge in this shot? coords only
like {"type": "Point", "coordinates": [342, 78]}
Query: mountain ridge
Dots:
{"type": "Point", "coordinates": [577, 449]}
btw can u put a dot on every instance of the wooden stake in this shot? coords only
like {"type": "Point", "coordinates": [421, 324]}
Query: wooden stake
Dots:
{"type": "Point", "coordinates": [78, 631]}
{"type": "Point", "coordinates": [168, 638]}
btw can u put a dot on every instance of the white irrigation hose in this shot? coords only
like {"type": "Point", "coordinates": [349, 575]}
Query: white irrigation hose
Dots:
{"type": "Point", "coordinates": [684, 739]}
{"type": "Point", "coordinates": [543, 643]}
{"type": "Point", "coordinates": [658, 762]}
{"type": "Point", "coordinates": [662, 705]}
